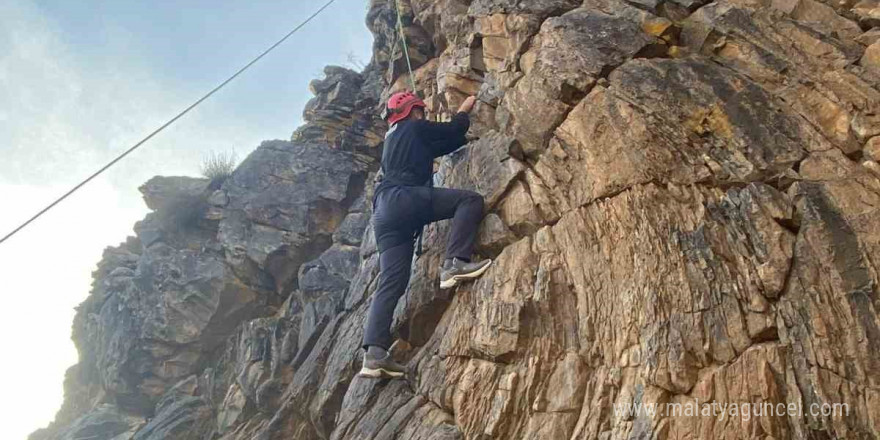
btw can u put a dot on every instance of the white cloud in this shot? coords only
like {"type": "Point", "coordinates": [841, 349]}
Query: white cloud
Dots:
{"type": "Point", "coordinates": [67, 116]}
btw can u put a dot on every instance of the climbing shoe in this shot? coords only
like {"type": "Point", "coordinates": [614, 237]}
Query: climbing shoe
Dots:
{"type": "Point", "coordinates": [378, 364]}
{"type": "Point", "coordinates": [455, 270]}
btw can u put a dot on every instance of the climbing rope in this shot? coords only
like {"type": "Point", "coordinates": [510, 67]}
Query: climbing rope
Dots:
{"type": "Point", "coordinates": [419, 250]}
{"type": "Point", "coordinates": [173, 120]}
{"type": "Point", "coordinates": [412, 79]}
{"type": "Point", "coordinates": [412, 82]}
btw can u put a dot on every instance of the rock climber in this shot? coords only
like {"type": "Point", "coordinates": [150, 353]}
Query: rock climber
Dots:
{"type": "Point", "coordinates": [404, 202]}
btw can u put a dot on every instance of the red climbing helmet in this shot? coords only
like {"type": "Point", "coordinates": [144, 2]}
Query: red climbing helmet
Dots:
{"type": "Point", "coordinates": [400, 105]}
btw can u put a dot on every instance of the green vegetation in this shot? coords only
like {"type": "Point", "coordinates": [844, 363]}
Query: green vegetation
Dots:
{"type": "Point", "coordinates": [219, 166]}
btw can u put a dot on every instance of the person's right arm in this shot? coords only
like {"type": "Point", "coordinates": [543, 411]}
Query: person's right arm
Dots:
{"type": "Point", "coordinates": [446, 137]}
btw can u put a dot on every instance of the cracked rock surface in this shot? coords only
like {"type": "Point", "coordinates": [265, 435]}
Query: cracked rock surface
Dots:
{"type": "Point", "coordinates": [682, 201]}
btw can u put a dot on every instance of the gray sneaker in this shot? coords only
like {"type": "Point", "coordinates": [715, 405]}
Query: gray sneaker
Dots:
{"type": "Point", "coordinates": [381, 368]}
{"type": "Point", "coordinates": [456, 270]}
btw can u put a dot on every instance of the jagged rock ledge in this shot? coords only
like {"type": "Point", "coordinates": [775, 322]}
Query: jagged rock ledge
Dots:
{"type": "Point", "coordinates": [681, 200]}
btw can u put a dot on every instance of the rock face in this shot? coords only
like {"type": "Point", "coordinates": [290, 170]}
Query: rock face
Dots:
{"type": "Point", "coordinates": [681, 200]}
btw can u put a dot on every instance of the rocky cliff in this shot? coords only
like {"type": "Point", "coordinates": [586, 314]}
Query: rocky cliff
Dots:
{"type": "Point", "coordinates": [681, 198]}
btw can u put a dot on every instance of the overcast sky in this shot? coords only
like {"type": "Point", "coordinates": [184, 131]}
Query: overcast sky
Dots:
{"type": "Point", "coordinates": [82, 81]}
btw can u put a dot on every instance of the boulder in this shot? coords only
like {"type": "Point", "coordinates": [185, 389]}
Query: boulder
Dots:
{"type": "Point", "coordinates": [285, 202]}
{"type": "Point", "coordinates": [562, 66]}
{"type": "Point", "coordinates": [172, 193]}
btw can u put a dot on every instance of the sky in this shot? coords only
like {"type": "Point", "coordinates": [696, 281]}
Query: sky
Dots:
{"type": "Point", "coordinates": [82, 81]}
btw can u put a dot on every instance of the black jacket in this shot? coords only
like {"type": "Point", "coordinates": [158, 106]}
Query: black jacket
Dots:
{"type": "Point", "coordinates": [412, 145]}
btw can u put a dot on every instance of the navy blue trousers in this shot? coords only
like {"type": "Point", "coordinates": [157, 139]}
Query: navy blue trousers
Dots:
{"type": "Point", "coordinates": [398, 214]}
